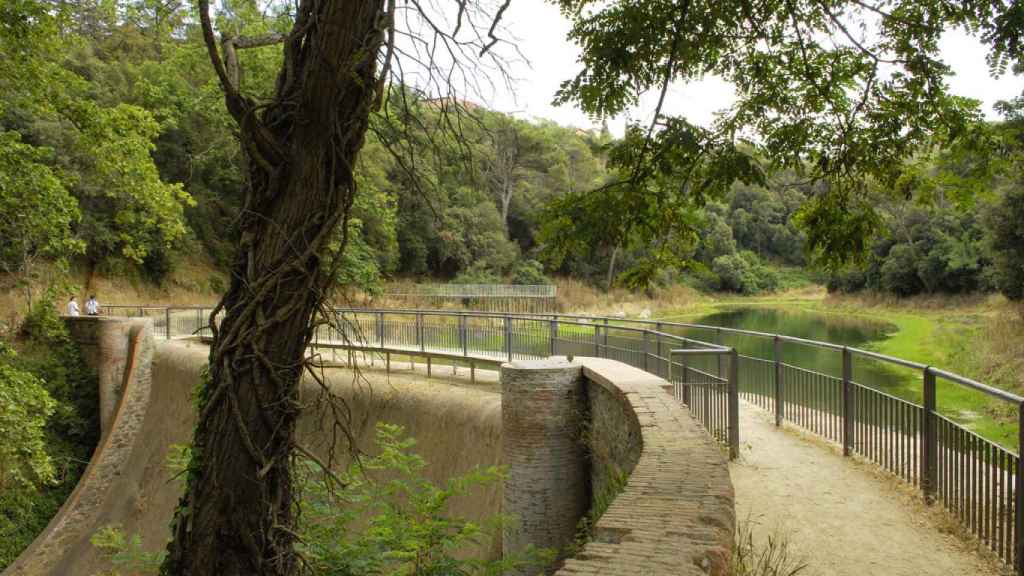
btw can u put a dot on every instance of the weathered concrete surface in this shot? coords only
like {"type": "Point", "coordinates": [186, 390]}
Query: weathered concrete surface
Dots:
{"type": "Point", "coordinates": [126, 368]}
{"type": "Point", "coordinates": [547, 488]}
{"type": "Point", "coordinates": [129, 484]}
{"type": "Point", "coordinates": [676, 513]}
{"type": "Point", "coordinates": [107, 347]}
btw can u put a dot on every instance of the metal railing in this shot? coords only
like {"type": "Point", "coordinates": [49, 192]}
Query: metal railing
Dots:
{"type": "Point", "coordinates": [975, 479]}
{"type": "Point", "coordinates": [702, 381]}
{"type": "Point", "coordinates": [510, 298]}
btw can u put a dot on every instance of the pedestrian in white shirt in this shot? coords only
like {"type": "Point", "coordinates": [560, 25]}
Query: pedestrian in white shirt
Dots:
{"type": "Point", "coordinates": [92, 307]}
{"type": "Point", "coordinates": [73, 307]}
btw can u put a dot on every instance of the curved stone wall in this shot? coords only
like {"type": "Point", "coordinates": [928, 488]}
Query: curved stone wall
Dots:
{"type": "Point", "coordinates": [675, 516]}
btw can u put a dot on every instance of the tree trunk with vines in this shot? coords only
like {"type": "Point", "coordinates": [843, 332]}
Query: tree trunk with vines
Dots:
{"type": "Point", "coordinates": [236, 516]}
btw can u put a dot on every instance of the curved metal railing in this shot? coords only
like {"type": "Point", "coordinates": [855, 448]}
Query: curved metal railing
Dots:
{"type": "Point", "coordinates": [975, 479]}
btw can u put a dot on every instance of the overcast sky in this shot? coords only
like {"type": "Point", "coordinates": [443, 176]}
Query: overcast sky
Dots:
{"type": "Point", "coordinates": [542, 30]}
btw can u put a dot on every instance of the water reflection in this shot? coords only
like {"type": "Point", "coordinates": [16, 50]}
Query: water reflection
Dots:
{"type": "Point", "coordinates": [833, 328]}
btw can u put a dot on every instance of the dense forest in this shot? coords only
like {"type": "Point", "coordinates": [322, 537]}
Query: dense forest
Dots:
{"type": "Point", "coordinates": [117, 153]}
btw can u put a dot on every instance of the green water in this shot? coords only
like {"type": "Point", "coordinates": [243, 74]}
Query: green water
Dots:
{"type": "Point", "coordinates": [967, 407]}
{"type": "Point", "coordinates": [832, 328]}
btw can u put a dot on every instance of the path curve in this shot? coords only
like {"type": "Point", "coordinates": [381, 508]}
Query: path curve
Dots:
{"type": "Point", "coordinates": [841, 517]}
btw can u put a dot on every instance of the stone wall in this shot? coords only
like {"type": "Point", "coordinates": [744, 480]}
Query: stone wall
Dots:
{"type": "Point", "coordinates": [547, 488]}
{"type": "Point", "coordinates": [614, 443]}
{"type": "Point", "coordinates": [675, 515]}
{"type": "Point", "coordinates": [658, 483]}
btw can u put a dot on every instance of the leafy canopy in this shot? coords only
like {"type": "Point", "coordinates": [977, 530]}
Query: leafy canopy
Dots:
{"type": "Point", "coordinates": [839, 92]}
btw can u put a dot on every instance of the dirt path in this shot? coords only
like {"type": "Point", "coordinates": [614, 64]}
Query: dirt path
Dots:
{"type": "Point", "coordinates": [841, 517]}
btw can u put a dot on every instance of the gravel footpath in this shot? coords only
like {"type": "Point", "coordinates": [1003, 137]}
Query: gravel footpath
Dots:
{"type": "Point", "coordinates": [842, 517]}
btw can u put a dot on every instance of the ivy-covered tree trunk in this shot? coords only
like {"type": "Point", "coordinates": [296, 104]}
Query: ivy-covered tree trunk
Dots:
{"type": "Point", "coordinates": [236, 517]}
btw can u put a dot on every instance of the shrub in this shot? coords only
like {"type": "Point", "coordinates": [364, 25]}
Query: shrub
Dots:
{"type": "Point", "coordinates": [49, 366]}
{"type": "Point", "coordinates": [25, 463]}
{"type": "Point", "coordinates": [478, 273]}
{"type": "Point", "coordinates": [847, 281]}
{"type": "Point", "coordinates": [899, 271]}
{"type": "Point", "coordinates": [529, 272]}
{"type": "Point", "coordinates": [404, 526]}
{"type": "Point", "coordinates": [744, 273]}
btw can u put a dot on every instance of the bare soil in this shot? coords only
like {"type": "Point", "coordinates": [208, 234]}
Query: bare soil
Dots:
{"type": "Point", "coordinates": [843, 517]}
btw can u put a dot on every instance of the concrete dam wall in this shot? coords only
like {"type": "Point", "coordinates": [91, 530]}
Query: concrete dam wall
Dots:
{"type": "Point", "coordinates": [129, 484]}
{"type": "Point", "coordinates": [583, 435]}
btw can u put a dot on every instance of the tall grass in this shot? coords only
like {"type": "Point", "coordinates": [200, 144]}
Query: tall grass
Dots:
{"type": "Point", "coordinates": [575, 296]}
{"type": "Point", "coordinates": [772, 557]}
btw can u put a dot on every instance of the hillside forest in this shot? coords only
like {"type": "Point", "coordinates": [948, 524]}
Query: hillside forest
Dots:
{"type": "Point", "coordinates": [117, 154]}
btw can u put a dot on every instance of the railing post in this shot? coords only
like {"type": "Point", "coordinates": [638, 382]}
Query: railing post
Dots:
{"type": "Point", "coordinates": [554, 334]}
{"type": "Point", "coordinates": [380, 328]}
{"type": "Point", "coordinates": [419, 332]}
{"type": "Point", "coordinates": [658, 338]}
{"type": "Point", "coordinates": [167, 322]}
{"type": "Point", "coordinates": [463, 335]}
{"type": "Point", "coordinates": [848, 413]}
{"type": "Point", "coordinates": [930, 452]}
{"type": "Point", "coordinates": [1018, 495]}
{"type": "Point", "coordinates": [597, 345]}
{"type": "Point", "coordinates": [718, 340]}
{"type": "Point", "coordinates": [734, 404]}
{"type": "Point", "coordinates": [647, 348]}
{"type": "Point", "coordinates": [780, 408]}
{"type": "Point", "coordinates": [508, 337]}
{"type": "Point", "coordinates": [682, 363]}
{"type": "Point", "coordinates": [606, 337]}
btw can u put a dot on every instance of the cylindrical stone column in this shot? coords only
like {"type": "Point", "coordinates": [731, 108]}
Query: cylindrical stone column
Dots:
{"type": "Point", "coordinates": [546, 491]}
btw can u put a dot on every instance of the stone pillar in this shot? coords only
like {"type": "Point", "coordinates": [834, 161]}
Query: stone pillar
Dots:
{"type": "Point", "coordinates": [111, 346]}
{"type": "Point", "coordinates": [547, 488]}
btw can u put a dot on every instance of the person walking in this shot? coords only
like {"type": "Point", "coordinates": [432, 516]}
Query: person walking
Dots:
{"type": "Point", "coordinates": [92, 307]}
{"type": "Point", "coordinates": [73, 307]}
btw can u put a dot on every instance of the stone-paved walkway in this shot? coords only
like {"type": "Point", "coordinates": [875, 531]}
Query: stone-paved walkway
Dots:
{"type": "Point", "coordinates": [841, 517]}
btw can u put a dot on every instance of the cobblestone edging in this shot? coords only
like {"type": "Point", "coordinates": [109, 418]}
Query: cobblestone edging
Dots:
{"type": "Point", "coordinates": [676, 514]}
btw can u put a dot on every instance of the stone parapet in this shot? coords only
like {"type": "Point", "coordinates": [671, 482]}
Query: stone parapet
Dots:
{"type": "Point", "coordinates": [675, 514]}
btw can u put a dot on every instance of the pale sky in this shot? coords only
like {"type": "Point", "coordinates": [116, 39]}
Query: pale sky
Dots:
{"type": "Point", "coordinates": [542, 30]}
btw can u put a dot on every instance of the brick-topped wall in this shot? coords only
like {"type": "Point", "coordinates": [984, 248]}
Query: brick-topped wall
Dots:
{"type": "Point", "coordinates": [676, 514]}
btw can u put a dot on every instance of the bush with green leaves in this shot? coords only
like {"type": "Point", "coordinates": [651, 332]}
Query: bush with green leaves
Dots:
{"type": "Point", "coordinates": [47, 383]}
{"type": "Point", "coordinates": [25, 463]}
{"type": "Point", "coordinates": [925, 250]}
{"type": "Point", "coordinates": [478, 273]}
{"type": "Point", "coordinates": [380, 517]}
{"type": "Point", "coordinates": [744, 273]}
{"type": "Point", "coordinates": [25, 406]}
{"type": "Point", "coordinates": [529, 272]}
